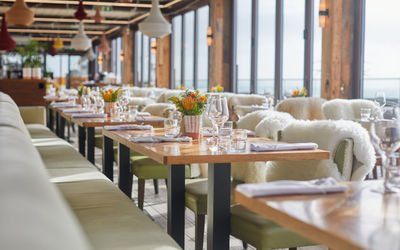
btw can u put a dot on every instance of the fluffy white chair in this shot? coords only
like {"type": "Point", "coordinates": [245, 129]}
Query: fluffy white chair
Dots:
{"type": "Point", "coordinates": [163, 98]}
{"type": "Point", "coordinates": [266, 124]}
{"type": "Point", "coordinates": [241, 104]}
{"type": "Point", "coordinates": [328, 135]}
{"type": "Point", "coordinates": [303, 108]}
{"type": "Point", "coordinates": [158, 109]}
{"type": "Point", "coordinates": [338, 109]}
{"type": "Point", "coordinates": [140, 101]}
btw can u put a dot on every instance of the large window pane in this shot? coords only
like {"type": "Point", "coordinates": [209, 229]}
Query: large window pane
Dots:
{"type": "Point", "coordinates": [177, 39]}
{"type": "Point", "coordinates": [266, 47]}
{"type": "Point", "coordinates": [153, 62]}
{"type": "Point", "coordinates": [202, 55]}
{"type": "Point", "coordinates": [293, 46]}
{"type": "Point", "coordinates": [317, 52]}
{"type": "Point", "coordinates": [189, 48]}
{"type": "Point", "coordinates": [243, 45]}
{"type": "Point", "coordinates": [382, 48]}
{"type": "Point", "coordinates": [145, 47]}
{"type": "Point", "coordinates": [118, 59]}
{"type": "Point", "coordinates": [138, 55]}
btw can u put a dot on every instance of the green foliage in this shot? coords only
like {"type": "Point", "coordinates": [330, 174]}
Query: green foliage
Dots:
{"type": "Point", "coordinates": [31, 53]}
{"type": "Point", "coordinates": [190, 103]}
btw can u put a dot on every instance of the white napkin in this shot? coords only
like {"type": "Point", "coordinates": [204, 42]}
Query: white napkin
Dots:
{"type": "Point", "coordinates": [89, 115]}
{"type": "Point", "coordinates": [50, 97]}
{"type": "Point", "coordinates": [154, 139]}
{"type": "Point", "coordinates": [77, 110]}
{"type": "Point", "coordinates": [286, 187]}
{"type": "Point", "coordinates": [65, 105]}
{"type": "Point", "coordinates": [149, 119]}
{"type": "Point", "coordinates": [128, 127]}
{"type": "Point", "coordinates": [282, 146]}
{"type": "Point", "coordinates": [143, 113]}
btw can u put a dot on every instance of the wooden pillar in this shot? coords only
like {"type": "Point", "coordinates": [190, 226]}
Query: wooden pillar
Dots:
{"type": "Point", "coordinates": [163, 62]}
{"type": "Point", "coordinates": [127, 49]}
{"type": "Point", "coordinates": [337, 50]}
{"type": "Point", "coordinates": [221, 51]}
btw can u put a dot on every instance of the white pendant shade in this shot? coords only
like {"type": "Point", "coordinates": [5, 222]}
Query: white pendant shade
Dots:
{"type": "Point", "coordinates": [80, 40]}
{"type": "Point", "coordinates": [90, 55]}
{"type": "Point", "coordinates": [155, 25]}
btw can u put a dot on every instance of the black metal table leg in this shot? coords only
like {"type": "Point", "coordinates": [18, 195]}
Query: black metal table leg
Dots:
{"type": "Point", "coordinates": [176, 203]}
{"type": "Point", "coordinates": [218, 206]}
{"type": "Point", "coordinates": [125, 175]}
{"type": "Point", "coordinates": [62, 126]}
{"type": "Point", "coordinates": [57, 124]}
{"type": "Point", "coordinates": [51, 119]}
{"type": "Point", "coordinates": [108, 157]}
{"type": "Point", "coordinates": [81, 139]}
{"type": "Point", "coordinates": [90, 144]}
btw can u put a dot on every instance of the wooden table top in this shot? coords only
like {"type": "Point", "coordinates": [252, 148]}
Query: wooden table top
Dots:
{"type": "Point", "coordinates": [57, 99]}
{"type": "Point", "coordinates": [198, 151]}
{"type": "Point", "coordinates": [357, 219]}
{"type": "Point", "coordinates": [101, 122]}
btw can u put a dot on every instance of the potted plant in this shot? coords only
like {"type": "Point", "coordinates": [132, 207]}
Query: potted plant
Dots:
{"type": "Point", "coordinates": [192, 105]}
{"type": "Point", "coordinates": [30, 57]}
{"type": "Point", "coordinates": [110, 98]}
{"type": "Point", "coordinates": [36, 70]}
{"type": "Point", "coordinates": [299, 93]}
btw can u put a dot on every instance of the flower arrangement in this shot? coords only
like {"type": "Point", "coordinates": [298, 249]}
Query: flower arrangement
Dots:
{"type": "Point", "coordinates": [299, 93]}
{"type": "Point", "coordinates": [109, 95]}
{"type": "Point", "coordinates": [181, 87]}
{"type": "Point", "coordinates": [82, 90]}
{"type": "Point", "coordinates": [218, 88]}
{"type": "Point", "coordinates": [190, 103]}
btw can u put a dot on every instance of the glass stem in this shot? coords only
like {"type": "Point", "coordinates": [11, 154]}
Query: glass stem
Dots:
{"type": "Point", "coordinates": [385, 169]}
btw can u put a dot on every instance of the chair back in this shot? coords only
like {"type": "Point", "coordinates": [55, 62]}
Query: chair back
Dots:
{"type": "Point", "coordinates": [342, 109]}
{"type": "Point", "coordinates": [303, 108]}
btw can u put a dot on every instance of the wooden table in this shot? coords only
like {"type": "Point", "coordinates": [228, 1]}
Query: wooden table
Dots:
{"type": "Point", "coordinates": [86, 130]}
{"type": "Point", "coordinates": [176, 155]}
{"type": "Point", "coordinates": [49, 114]}
{"type": "Point", "coordinates": [357, 219]}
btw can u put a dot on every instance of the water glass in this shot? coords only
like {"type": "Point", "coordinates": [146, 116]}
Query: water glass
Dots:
{"type": "Point", "coordinates": [132, 112]}
{"type": "Point", "coordinates": [393, 172]}
{"type": "Point", "coordinates": [171, 128]}
{"type": "Point", "coordinates": [114, 114]}
{"type": "Point", "coordinates": [224, 137]}
{"type": "Point", "coordinates": [365, 114]}
{"type": "Point", "coordinates": [239, 138]}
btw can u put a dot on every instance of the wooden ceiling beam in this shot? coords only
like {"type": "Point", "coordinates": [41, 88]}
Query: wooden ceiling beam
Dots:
{"type": "Point", "coordinates": [44, 31]}
{"type": "Point", "coordinates": [93, 3]}
{"type": "Point", "coordinates": [73, 20]}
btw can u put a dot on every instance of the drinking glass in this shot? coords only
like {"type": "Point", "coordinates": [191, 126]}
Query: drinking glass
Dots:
{"type": "Point", "coordinates": [171, 128]}
{"type": "Point", "coordinates": [115, 114]}
{"type": "Point", "coordinates": [385, 137]}
{"type": "Point", "coordinates": [224, 137]}
{"type": "Point", "coordinates": [99, 105]}
{"type": "Point", "coordinates": [132, 112]}
{"type": "Point", "coordinates": [123, 101]}
{"type": "Point", "coordinates": [365, 114]}
{"type": "Point", "coordinates": [218, 113]}
{"type": "Point", "coordinates": [239, 138]}
{"type": "Point", "coordinates": [380, 98]}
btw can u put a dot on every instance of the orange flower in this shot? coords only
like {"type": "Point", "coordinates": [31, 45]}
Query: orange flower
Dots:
{"type": "Point", "coordinates": [202, 98]}
{"type": "Point", "coordinates": [193, 95]}
{"type": "Point", "coordinates": [188, 103]}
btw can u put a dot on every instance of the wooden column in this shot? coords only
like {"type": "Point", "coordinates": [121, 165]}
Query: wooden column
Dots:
{"type": "Point", "coordinates": [163, 62]}
{"type": "Point", "coordinates": [127, 47]}
{"type": "Point", "coordinates": [337, 50]}
{"type": "Point", "coordinates": [221, 52]}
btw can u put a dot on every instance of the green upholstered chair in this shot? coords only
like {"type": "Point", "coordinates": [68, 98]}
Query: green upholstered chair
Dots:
{"type": "Point", "coordinates": [248, 226]}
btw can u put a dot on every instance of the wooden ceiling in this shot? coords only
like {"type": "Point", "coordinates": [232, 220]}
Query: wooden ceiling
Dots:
{"type": "Point", "coordinates": [55, 18]}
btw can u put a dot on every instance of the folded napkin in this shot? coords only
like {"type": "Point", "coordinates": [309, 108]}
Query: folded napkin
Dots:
{"type": "Point", "coordinates": [282, 146]}
{"type": "Point", "coordinates": [143, 113]}
{"type": "Point", "coordinates": [149, 119]}
{"type": "Point", "coordinates": [50, 97]}
{"type": "Point", "coordinates": [89, 115]}
{"type": "Point", "coordinates": [128, 127]}
{"type": "Point", "coordinates": [286, 187]}
{"type": "Point", "coordinates": [207, 133]}
{"type": "Point", "coordinates": [69, 111]}
{"type": "Point", "coordinates": [65, 105]}
{"type": "Point", "coordinates": [154, 139]}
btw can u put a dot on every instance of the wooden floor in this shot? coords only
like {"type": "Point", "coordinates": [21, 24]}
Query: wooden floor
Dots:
{"type": "Point", "coordinates": [155, 205]}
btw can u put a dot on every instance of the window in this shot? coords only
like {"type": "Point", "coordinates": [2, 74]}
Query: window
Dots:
{"type": "Point", "coordinates": [145, 64]}
{"type": "Point", "coordinates": [243, 45]}
{"type": "Point", "coordinates": [177, 51]}
{"type": "Point", "coordinates": [153, 62]}
{"type": "Point", "coordinates": [382, 49]}
{"type": "Point", "coordinates": [203, 53]}
{"type": "Point", "coordinates": [188, 46]}
{"type": "Point", "coordinates": [138, 58]}
{"type": "Point", "coordinates": [145, 61]}
{"type": "Point", "coordinates": [317, 53]}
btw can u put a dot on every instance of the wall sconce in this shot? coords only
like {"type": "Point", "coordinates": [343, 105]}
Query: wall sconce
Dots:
{"type": "Point", "coordinates": [323, 13]}
{"type": "Point", "coordinates": [209, 36]}
{"type": "Point", "coordinates": [121, 56]}
{"type": "Point", "coordinates": [153, 46]}
{"type": "Point", "coordinates": [100, 60]}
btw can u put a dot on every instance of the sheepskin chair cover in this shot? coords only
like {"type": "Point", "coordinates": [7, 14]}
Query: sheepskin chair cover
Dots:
{"type": "Point", "coordinates": [169, 93]}
{"type": "Point", "coordinates": [303, 108]}
{"type": "Point", "coordinates": [158, 109]}
{"type": "Point", "coordinates": [339, 109]}
{"type": "Point", "coordinates": [237, 103]}
{"type": "Point", "coordinates": [266, 124]}
{"type": "Point", "coordinates": [328, 135]}
{"type": "Point", "coordinates": [140, 101]}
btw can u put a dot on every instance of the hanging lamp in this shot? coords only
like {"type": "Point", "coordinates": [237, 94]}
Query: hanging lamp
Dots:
{"type": "Point", "coordinates": [90, 55]}
{"type": "Point", "coordinates": [19, 14]}
{"type": "Point", "coordinates": [58, 43]}
{"type": "Point", "coordinates": [51, 50]}
{"type": "Point", "coordinates": [155, 25]}
{"type": "Point", "coordinates": [126, 1]}
{"type": "Point", "coordinates": [6, 42]}
{"type": "Point", "coordinates": [104, 47]}
{"type": "Point", "coordinates": [97, 17]}
{"type": "Point", "coordinates": [80, 12]}
{"type": "Point", "coordinates": [80, 40]}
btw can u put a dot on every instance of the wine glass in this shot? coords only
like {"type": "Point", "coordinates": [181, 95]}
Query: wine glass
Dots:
{"type": "Point", "coordinates": [99, 104]}
{"type": "Point", "coordinates": [123, 101]}
{"type": "Point", "coordinates": [218, 113]}
{"type": "Point", "coordinates": [385, 137]}
{"type": "Point", "coordinates": [380, 98]}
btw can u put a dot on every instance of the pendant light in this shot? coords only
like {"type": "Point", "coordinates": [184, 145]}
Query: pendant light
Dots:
{"type": "Point", "coordinates": [90, 55]}
{"type": "Point", "coordinates": [104, 47]}
{"type": "Point", "coordinates": [19, 14]}
{"type": "Point", "coordinates": [58, 43]}
{"type": "Point", "coordinates": [155, 25]}
{"type": "Point", "coordinates": [51, 50]}
{"type": "Point", "coordinates": [80, 40]}
{"type": "Point", "coordinates": [126, 1]}
{"type": "Point", "coordinates": [80, 12]}
{"type": "Point", "coordinates": [6, 42]}
{"type": "Point", "coordinates": [97, 17]}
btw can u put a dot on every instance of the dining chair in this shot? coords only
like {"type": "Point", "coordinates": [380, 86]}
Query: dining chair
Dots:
{"type": "Point", "coordinates": [303, 108]}
{"type": "Point", "coordinates": [342, 109]}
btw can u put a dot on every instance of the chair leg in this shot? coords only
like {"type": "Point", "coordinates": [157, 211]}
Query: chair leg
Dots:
{"type": "Point", "coordinates": [199, 231]}
{"type": "Point", "coordinates": [166, 182]}
{"type": "Point", "coordinates": [292, 248]}
{"type": "Point", "coordinates": [244, 244]}
{"type": "Point", "coordinates": [141, 183]}
{"type": "Point", "coordinates": [155, 183]}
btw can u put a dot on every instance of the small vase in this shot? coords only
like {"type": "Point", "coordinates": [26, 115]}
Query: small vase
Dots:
{"type": "Point", "coordinates": [79, 100]}
{"type": "Point", "coordinates": [193, 125]}
{"type": "Point", "coordinates": [27, 73]}
{"type": "Point", "coordinates": [36, 73]}
{"type": "Point", "coordinates": [108, 106]}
